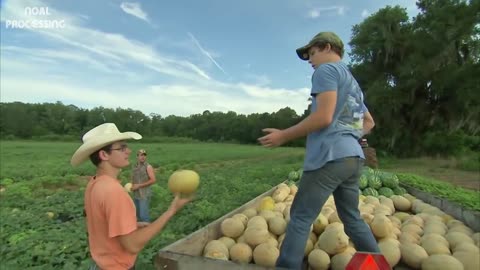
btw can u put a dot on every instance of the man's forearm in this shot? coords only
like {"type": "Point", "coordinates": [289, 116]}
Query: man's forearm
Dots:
{"type": "Point", "coordinates": [148, 183]}
{"type": "Point", "coordinates": [139, 238]}
{"type": "Point", "coordinates": [312, 123]}
{"type": "Point", "coordinates": [367, 127]}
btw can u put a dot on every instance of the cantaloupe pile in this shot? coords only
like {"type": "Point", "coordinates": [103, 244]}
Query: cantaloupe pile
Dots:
{"type": "Point", "coordinates": [409, 232]}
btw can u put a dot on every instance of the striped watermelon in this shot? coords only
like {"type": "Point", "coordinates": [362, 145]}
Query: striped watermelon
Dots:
{"type": "Point", "coordinates": [363, 183]}
{"type": "Point", "coordinates": [370, 191]}
{"type": "Point", "coordinates": [385, 191]}
{"type": "Point", "coordinates": [374, 182]}
{"type": "Point", "coordinates": [399, 191]}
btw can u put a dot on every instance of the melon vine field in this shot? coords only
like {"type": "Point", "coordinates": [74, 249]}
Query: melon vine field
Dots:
{"type": "Point", "coordinates": [41, 195]}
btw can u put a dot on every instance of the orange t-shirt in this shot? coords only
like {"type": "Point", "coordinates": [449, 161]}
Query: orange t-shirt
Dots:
{"type": "Point", "coordinates": [110, 212]}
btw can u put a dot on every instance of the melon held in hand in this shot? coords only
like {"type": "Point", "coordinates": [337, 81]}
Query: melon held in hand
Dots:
{"type": "Point", "coordinates": [128, 187]}
{"type": "Point", "coordinates": [184, 182]}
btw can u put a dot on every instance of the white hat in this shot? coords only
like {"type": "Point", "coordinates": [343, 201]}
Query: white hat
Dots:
{"type": "Point", "coordinates": [99, 137]}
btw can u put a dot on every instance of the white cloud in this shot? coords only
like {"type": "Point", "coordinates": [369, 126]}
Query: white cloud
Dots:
{"type": "Point", "coordinates": [114, 48]}
{"type": "Point", "coordinates": [88, 68]}
{"type": "Point", "coordinates": [259, 79]}
{"type": "Point", "coordinates": [134, 9]}
{"type": "Point", "coordinates": [314, 13]}
{"type": "Point", "coordinates": [365, 13]}
{"type": "Point", "coordinates": [207, 54]}
{"type": "Point", "coordinates": [166, 99]}
{"type": "Point", "coordinates": [326, 11]}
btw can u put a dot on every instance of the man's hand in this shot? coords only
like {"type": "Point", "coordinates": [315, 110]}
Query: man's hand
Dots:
{"type": "Point", "coordinates": [142, 224]}
{"type": "Point", "coordinates": [179, 202]}
{"type": "Point", "coordinates": [135, 187]}
{"type": "Point", "coordinates": [275, 137]}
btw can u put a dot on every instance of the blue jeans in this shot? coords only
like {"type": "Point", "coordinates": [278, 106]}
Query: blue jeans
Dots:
{"type": "Point", "coordinates": [142, 209]}
{"type": "Point", "coordinates": [341, 178]}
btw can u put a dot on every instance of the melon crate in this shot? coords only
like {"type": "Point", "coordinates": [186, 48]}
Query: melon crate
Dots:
{"type": "Point", "coordinates": [413, 232]}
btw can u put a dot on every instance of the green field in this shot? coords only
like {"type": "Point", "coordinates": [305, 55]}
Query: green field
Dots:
{"type": "Point", "coordinates": [38, 178]}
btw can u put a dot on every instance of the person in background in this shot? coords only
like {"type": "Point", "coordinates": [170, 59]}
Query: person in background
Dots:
{"type": "Point", "coordinates": [142, 178]}
{"type": "Point", "coordinates": [333, 157]}
{"type": "Point", "coordinates": [114, 236]}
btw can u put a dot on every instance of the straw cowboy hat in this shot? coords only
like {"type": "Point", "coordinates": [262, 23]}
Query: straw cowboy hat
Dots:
{"type": "Point", "coordinates": [99, 137]}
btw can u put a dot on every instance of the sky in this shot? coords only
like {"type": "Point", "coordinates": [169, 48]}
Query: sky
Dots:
{"type": "Point", "coordinates": [169, 57]}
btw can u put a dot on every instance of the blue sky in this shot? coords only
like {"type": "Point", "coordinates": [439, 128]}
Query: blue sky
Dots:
{"type": "Point", "coordinates": [169, 57]}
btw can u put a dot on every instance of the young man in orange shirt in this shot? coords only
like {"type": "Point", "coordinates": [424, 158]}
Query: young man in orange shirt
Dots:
{"type": "Point", "coordinates": [114, 236]}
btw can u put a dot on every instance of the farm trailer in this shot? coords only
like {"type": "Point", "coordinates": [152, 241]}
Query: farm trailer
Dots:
{"type": "Point", "coordinates": [186, 253]}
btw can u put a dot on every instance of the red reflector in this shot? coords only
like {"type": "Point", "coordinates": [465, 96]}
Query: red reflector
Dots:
{"type": "Point", "coordinates": [368, 261]}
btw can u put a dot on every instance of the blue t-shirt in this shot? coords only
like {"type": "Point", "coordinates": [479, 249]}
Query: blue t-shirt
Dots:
{"type": "Point", "coordinates": [340, 138]}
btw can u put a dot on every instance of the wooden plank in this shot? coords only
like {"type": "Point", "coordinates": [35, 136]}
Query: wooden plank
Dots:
{"type": "Point", "coordinates": [176, 261]}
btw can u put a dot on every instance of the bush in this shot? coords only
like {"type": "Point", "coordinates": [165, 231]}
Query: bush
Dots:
{"type": "Point", "coordinates": [444, 144]}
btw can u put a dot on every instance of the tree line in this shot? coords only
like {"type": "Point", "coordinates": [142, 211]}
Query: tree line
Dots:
{"type": "Point", "coordinates": [25, 121]}
{"type": "Point", "coordinates": [420, 77]}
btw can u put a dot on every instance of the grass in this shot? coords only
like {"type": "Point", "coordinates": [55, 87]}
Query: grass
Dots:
{"type": "Point", "coordinates": [38, 178]}
{"type": "Point", "coordinates": [442, 169]}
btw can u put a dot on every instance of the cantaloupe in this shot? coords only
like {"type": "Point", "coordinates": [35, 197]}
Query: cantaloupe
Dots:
{"type": "Point", "coordinates": [232, 227]}
{"type": "Point", "coordinates": [319, 224]}
{"type": "Point", "coordinates": [308, 247]}
{"type": "Point", "coordinates": [184, 182]}
{"type": "Point", "coordinates": [432, 247]}
{"type": "Point", "coordinates": [470, 261]}
{"type": "Point", "coordinates": [242, 217]}
{"type": "Point", "coordinates": [476, 239]}
{"type": "Point", "coordinates": [280, 194]}
{"type": "Point", "coordinates": [435, 228]}
{"type": "Point", "coordinates": [257, 221]}
{"type": "Point", "coordinates": [462, 229]}
{"type": "Point", "coordinates": [340, 261]}
{"type": "Point", "coordinates": [277, 225]}
{"type": "Point", "coordinates": [250, 212]}
{"type": "Point", "coordinates": [279, 207]}
{"type": "Point", "coordinates": [467, 247]}
{"type": "Point", "coordinates": [293, 190]}
{"type": "Point", "coordinates": [255, 236]}
{"type": "Point", "coordinates": [391, 252]}
{"type": "Point", "coordinates": [441, 261]}
{"type": "Point", "coordinates": [401, 203]}
{"type": "Point", "coordinates": [333, 241]}
{"type": "Point", "coordinates": [229, 242]}
{"type": "Point", "coordinates": [241, 252]}
{"type": "Point", "coordinates": [319, 260]}
{"type": "Point", "coordinates": [456, 238]}
{"type": "Point", "coordinates": [267, 214]}
{"type": "Point", "coordinates": [216, 255]}
{"type": "Point", "coordinates": [128, 187]}
{"type": "Point", "coordinates": [413, 255]}
{"type": "Point", "coordinates": [215, 246]}
{"type": "Point", "coordinates": [266, 255]}
{"type": "Point", "coordinates": [436, 238]}
{"type": "Point", "coordinates": [381, 226]}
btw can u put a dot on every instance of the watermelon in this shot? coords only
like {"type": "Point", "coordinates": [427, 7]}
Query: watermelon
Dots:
{"type": "Point", "coordinates": [385, 191]}
{"type": "Point", "coordinates": [300, 173]}
{"type": "Point", "coordinates": [389, 180]}
{"type": "Point", "coordinates": [399, 191]}
{"type": "Point", "coordinates": [370, 191]}
{"type": "Point", "coordinates": [363, 183]}
{"type": "Point", "coordinates": [367, 170]}
{"type": "Point", "coordinates": [293, 176]}
{"type": "Point", "coordinates": [374, 182]}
